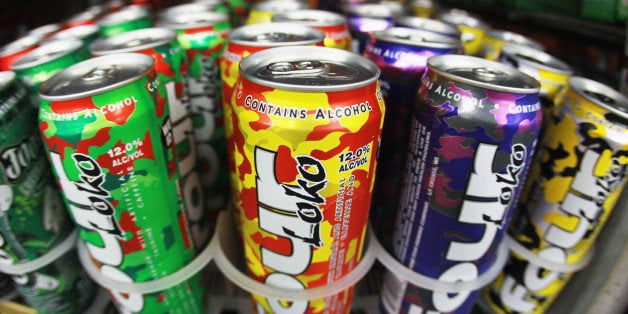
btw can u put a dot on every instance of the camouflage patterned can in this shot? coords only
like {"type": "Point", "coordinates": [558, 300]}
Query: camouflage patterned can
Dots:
{"type": "Point", "coordinates": [127, 19]}
{"type": "Point", "coordinates": [16, 49]}
{"type": "Point", "coordinates": [45, 61]}
{"type": "Point", "coordinates": [307, 122]}
{"type": "Point", "coordinates": [106, 125]}
{"type": "Point", "coordinates": [203, 36]}
{"type": "Point", "coordinates": [171, 65]}
{"type": "Point", "coordinates": [333, 25]}
{"type": "Point", "coordinates": [569, 195]}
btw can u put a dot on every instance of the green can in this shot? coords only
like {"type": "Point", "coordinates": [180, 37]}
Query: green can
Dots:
{"type": "Point", "coordinates": [106, 126]}
{"type": "Point", "coordinates": [127, 19]}
{"type": "Point", "coordinates": [45, 61]}
{"type": "Point", "coordinates": [32, 218]}
{"type": "Point", "coordinates": [203, 36]}
{"type": "Point", "coordinates": [171, 65]}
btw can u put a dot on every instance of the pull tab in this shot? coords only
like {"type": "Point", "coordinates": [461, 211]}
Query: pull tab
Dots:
{"type": "Point", "coordinates": [297, 68]}
{"type": "Point", "coordinates": [272, 37]}
{"type": "Point", "coordinates": [99, 73]}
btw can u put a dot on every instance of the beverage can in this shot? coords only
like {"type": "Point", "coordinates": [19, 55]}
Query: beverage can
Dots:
{"type": "Point", "coordinates": [129, 18]}
{"type": "Point", "coordinates": [495, 39]}
{"type": "Point", "coordinates": [11, 52]}
{"type": "Point", "coordinates": [472, 28]}
{"type": "Point", "coordinates": [263, 11]}
{"type": "Point", "coordinates": [333, 25]}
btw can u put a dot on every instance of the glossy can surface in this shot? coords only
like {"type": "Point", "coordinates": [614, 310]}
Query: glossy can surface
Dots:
{"type": "Point", "coordinates": [16, 49]}
{"type": "Point", "coordinates": [127, 19]}
{"type": "Point", "coordinates": [474, 129]}
{"type": "Point", "coordinates": [333, 25]}
{"type": "Point", "coordinates": [307, 122]}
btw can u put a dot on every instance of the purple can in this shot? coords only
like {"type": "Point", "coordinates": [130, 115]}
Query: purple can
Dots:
{"type": "Point", "coordinates": [474, 129]}
{"type": "Point", "coordinates": [364, 19]}
{"type": "Point", "coordinates": [401, 53]}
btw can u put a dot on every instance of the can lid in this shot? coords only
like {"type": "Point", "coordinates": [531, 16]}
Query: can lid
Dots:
{"type": "Point", "coordinates": [276, 6]}
{"type": "Point", "coordinates": [187, 8]}
{"type": "Point", "coordinates": [96, 76]}
{"type": "Point", "coordinates": [310, 17]}
{"type": "Point", "coordinates": [483, 73]}
{"type": "Point", "coordinates": [45, 30]}
{"type": "Point", "coordinates": [600, 94]}
{"type": "Point", "coordinates": [374, 10]}
{"type": "Point", "coordinates": [192, 20]}
{"type": "Point", "coordinates": [416, 37]}
{"type": "Point", "coordinates": [514, 38]}
{"type": "Point", "coordinates": [536, 58]}
{"type": "Point", "coordinates": [275, 34]}
{"type": "Point", "coordinates": [461, 17]}
{"type": "Point", "coordinates": [309, 68]}
{"type": "Point", "coordinates": [85, 16]}
{"type": "Point", "coordinates": [129, 13]}
{"type": "Point", "coordinates": [133, 41]}
{"type": "Point", "coordinates": [20, 44]}
{"type": "Point", "coordinates": [429, 24]}
{"type": "Point", "coordinates": [47, 52]}
{"type": "Point", "coordinates": [6, 78]}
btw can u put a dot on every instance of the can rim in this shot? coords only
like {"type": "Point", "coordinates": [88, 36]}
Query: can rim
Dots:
{"type": "Point", "coordinates": [158, 36]}
{"type": "Point", "coordinates": [434, 40]}
{"type": "Point", "coordinates": [278, 27]}
{"type": "Point", "coordinates": [444, 63]}
{"type": "Point", "coordinates": [545, 60]}
{"type": "Point", "coordinates": [325, 18]}
{"type": "Point", "coordinates": [581, 84]}
{"type": "Point", "coordinates": [514, 38]}
{"type": "Point", "coordinates": [47, 52]}
{"type": "Point", "coordinates": [60, 79]}
{"type": "Point", "coordinates": [192, 20]}
{"type": "Point", "coordinates": [457, 17]}
{"type": "Point", "coordinates": [370, 10]}
{"type": "Point", "coordinates": [6, 79]}
{"type": "Point", "coordinates": [20, 44]}
{"type": "Point", "coordinates": [128, 14]}
{"type": "Point", "coordinates": [428, 24]}
{"type": "Point", "coordinates": [307, 53]}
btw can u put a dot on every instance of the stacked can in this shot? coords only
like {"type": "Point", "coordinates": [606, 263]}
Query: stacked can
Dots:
{"type": "Point", "coordinates": [569, 195]}
{"type": "Point", "coordinates": [364, 19]}
{"type": "Point", "coordinates": [474, 129]}
{"type": "Point", "coordinates": [106, 125]}
{"type": "Point", "coordinates": [87, 17]}
{"type": "Point", "coordinates": [44, 31]}
{"type": "Point", "coordinates": [427, 24]}
{"type": "Point", "coordinates": [246, 40]}
{"type": "Point", "coordinates": [171, 65]}
{"type": "Point", "coordinates": [307, 122]}
{"type": "Point", "coordinates": [494, 40]}
{"type": "Point", "coordinates": [16, 49]}
{"type": "Point", "coordinates": [472, 28]}
{"type": "Point", "coordinates": [263, 11]}
{"type": "Point", "coordinates": [85, 33]}
{"type": "Point", "coordinates": [129, 18]}
{"type": "Point", "coordinates": [203, 36]}
{"type": "Point", "coordinates": [333, 25]}
{"type": "Point", "coordinates": [195, 7]}
{"type": "Point", "coordinates": [33, 221]}
{"type": "Point", "coordinates": [45, 61]}
{"type": "Point", "coordinates": [401, 53]}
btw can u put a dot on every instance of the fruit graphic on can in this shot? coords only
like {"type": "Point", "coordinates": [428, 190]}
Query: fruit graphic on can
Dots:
{"type": "Point", "coordinates": [171, 65]}
{"type": "Point", "coordinates": [472, 28]}
{"type": "Point", "coordinates": [474, 129]}
{"type": "Point", "coordinates": [45, 61]}
{"type": "Point", "coordinates": [106, 126]}
{"type": "Point", "coordinates": [307, 122]}
{"type": "Point", "coordinates": [333, 25]}
{"type": "Point", "coordinates": [495, 39]}
{"type": "Point", "coordinates": [401, 53]}
{"type": "Point", "coordinates": [129, 18]}
{"type": "Point", "coordinates": [570, 193]}
{"type": "Point", "coordinates": [263, 11]}
{"type": "Point", "coordinates": [16, 49]}
{"type": "Point", "coordinates": [203, 37]}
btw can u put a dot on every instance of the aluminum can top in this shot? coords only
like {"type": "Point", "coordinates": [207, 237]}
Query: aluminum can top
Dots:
{"type": "Point", "coordinates": [265, 33]}
{"type": "Point", "coordinates": [277, 6]}
{"type": "Point", "coordinates": [429, 24]}
{"type": "Point", "coordinates": [80, 31]}
{"type": "Point", "coordinates": [483, 73]}
{"type": "Point", "coordinates": [309, 68]}
{"type": "Point", "coordinates": [95, 76]}
{"type": "Point", "coordinates": [20, 44]}
{"type": "Point", "coordinates": [416, 37]}
{"type": "Point", "coordinates": [193, 20]}
{"type": "Point", "coordinates": [378, 11]}
{"type": "Point", "coordinates": [129, 13]}
{"type": "Point", "coordinates": [601, 95]}
{"type": "Point", "coordinates": [134, 40]}
{"type": "Point", "coordinates": [45, 30]}
{"type": "Point", "coordinates": [47, 52]}
{"type": "Point", "coordinates": [514, 38]}
{"type": "Point", "coordinates": [311, 17]}
{"type": "Point", "coordinates": [461, 17]}
{"type": "Point", "coordinates": [194, 7]}
{"type": "Point", "coordinates": [6, 79]}
{"type": "Point", "coordinates": [535, 58]}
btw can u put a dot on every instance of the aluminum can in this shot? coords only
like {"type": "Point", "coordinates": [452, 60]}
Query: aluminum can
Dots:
{"type": "Point", "coordinates": [422, 8]}
{"type": "Point", "coordinates": [203, 36]}
{"type": "Point", "coordinates": [495, 39]}
{"type": "Point", "coordinates": [333, 25]}
{"type": "Point", "coordinates": [472, 28]}
{"type": "Point", "coordinates": [307, 123]}
{"type": "Point", "coordinates": [45, 61]}
{"type": "Point", "coordinates": [570, 193]}
{"type": "Point", "coordinates": [428, 24]}
{"type": "Point", "coordinates": [85, 33]}
{"type": "Point", "coordinates": [401, 53]}
{"type": "Point", "coordinates": [44, 31]}
{"type": "Point", "coordinates": [127, 19]}
{"type": "Point", "coordinates": [87, 17]}
{"type": "Point", "coordinates": [16, 49]}
{"type": "Point", "coordinates": [171, 65]}
{"type": "Point", "coordinates": [263, 11]}
{"type": "Point", "coordinates": [195, 7]}
{"type": "Point", "coordinates": [364, 19]}
{"type": "Point", "coordinates": [107, 129]}
{"type": "Point", "coordinates": [32, 218]}
{"type": "Point", "coordinates": [474, 129]}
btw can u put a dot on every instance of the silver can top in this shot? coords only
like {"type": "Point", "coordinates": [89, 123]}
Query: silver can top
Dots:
{"type": "Point", "coordinates": [20, 44]}
{"type": "Point", "coordinates": [192, 20]}
{"type": "Point", "coordinates": [517, 55]}
{"type": "Point", "coordinates": [187, 8]}
{"type": "Point", "coordinates": [96, 76]}
{"type": "Point", "coordinates": [47, 52]}
{"type": "Point", "coordinates": [417, 38]}
{"type": "Point", "coordinates": [601, 95]}
{"type": "Point", "coordinates": [461, 17]}
{"type": "Point", "coordinates": [276, 6]}
{"type": "Point", "coordinates": [429, 24]}
{"type": "Point", "coordinates": [370, 10]}
{"type": "Point", "coordinates": [126, 14]}
{"type": "Point", "coordinates": [45, 30]}
{"type": "Point", "coordinates": [310, 18]}
{"type": "Point", "coordinates": [309, 69]}
{"type": "Point", "coordinates": [483, 73]}
{"type": "Point", "coordinates": [133, 41]}
{"type": "Point", "coordinates": [514, 38]}
{"type": "Point", "coordinates": [275, 34]}
{"type": "Point", "coordinates": [6, 79]}
{"type": "Point", "coordinates": [80, 32]}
